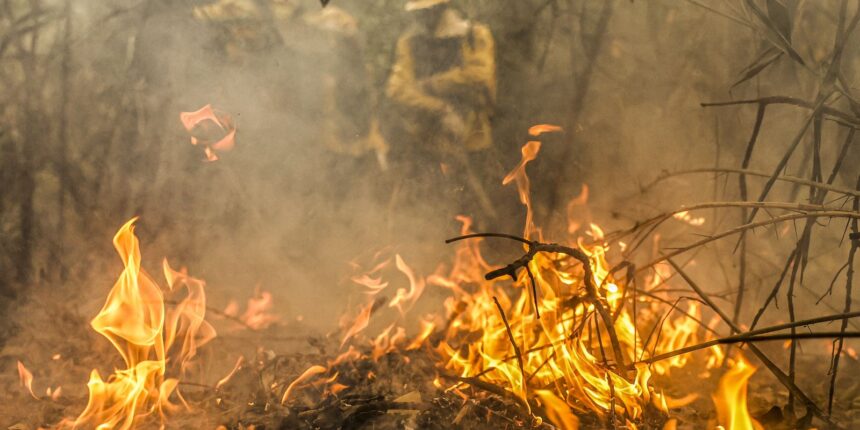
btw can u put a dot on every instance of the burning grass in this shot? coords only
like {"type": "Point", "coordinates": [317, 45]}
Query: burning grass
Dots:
{"type": "Point", "coordinates": [559, 338]}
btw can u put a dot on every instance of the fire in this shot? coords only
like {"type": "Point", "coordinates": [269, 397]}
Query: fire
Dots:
{"type": "Point", "coordinates": [308, 374]}
{"type": "Point", "coordinates": [731, 397]}
{"type": "Point", "coordinates": [404, 300]}
{"type": "Point", "coordinates": [26, 379]}
{"type": "Point", "coordinates": [676, 334]}
{"type": "Point", "coordinates": [359, 324]}
{"type": "Point", "coordinates": [577, 366]}
{"type": "Point", "coordinates": [530, 152]}
{"type": "Point", "coordinates": [239, 362]}
{"type": "Point", "coordinates": [258, 312]}
{"type": "Point", "coordinates": [559, 356]}
{"type": "Point", "coordinates": [550, 349]}
{"type": "Point", "coordinates": [537, 130]}
{"type": "Point", "coordinates": [577, 211]}
{"type": "Point", "coordinates": [152, 340]}
{"type": "Point", "coordinates": [558, 411]}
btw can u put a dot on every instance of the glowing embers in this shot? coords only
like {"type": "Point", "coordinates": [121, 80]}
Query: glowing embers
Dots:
{"type": "Point", "coordinates": [689, 219]}
{"type": "Point", "coordinates": [212, 129]}
{"type": "Point", "coordinates": [154, 342]}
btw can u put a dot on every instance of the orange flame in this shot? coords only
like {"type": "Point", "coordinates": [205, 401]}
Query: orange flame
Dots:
{"type": "Point", "coordinates": [427, 328]}
{"type": "Point", "coordinates": [257, 315]}
{"type": "Point", "coordinates": [558, 411]}
{"type": "Point", "coordinates": [135, 321]}
{"type": "Point", "coordinates": [530, 152]}
{"type": "Point", "coordinates": [307, 374]}
{"type": "Point", "coordinates": [359, 324]}
{"type": "Point", "coordinates": [577, 211]}
{"type": "Point", "coordinates": [537, 130]}
{"type": "Point", "coordinates": [55, 393]}
{"type": "Point", "coordinates": [564, 371]}
{"type": "Point", "coordinates": [731, 397]}
{"type": "Point", "coordinates": [404, 300]}
{"type": "Point", "coordinates": [230, 375]}
{"type": "Point", "coordinates": [26, 379]}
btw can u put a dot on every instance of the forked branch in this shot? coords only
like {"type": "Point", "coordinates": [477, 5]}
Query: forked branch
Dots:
{"type": "Point", "coordinates": [534, 247]}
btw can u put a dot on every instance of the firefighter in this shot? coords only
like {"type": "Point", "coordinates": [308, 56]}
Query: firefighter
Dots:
{"type": "Point", "coordinates": [323, 75]}
{"type": "Point", "coordinates": [442, 89]}
{"type": "Point", "coordinates": [248, 27]}
{"type": "Point", "coordinates": [348, 126]}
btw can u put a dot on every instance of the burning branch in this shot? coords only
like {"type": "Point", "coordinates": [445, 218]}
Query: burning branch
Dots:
{"type": "Point", "coordinates": [535, 247]}
{"type": "Point", "coordinates": [516, 348]}
{"type": "Point", "coordinates": [753, 335]}
{"type": "Point", "coordinates": [780, 375]}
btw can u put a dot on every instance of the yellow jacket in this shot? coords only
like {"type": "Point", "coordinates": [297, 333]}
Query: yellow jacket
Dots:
{"type": "Point", "coordinates": [468, 88]}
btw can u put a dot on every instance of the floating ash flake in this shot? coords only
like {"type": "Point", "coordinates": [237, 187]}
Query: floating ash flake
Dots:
{"type": "Point", "coordinates": [537, 130]}
{"type": "Point", "coordinates": [214, 130]}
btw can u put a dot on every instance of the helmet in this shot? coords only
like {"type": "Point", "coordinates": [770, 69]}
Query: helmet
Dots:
{"type": "Point", "coordinates": [414, 5]}
{"type": "Point", "coordinates": [333, 19]}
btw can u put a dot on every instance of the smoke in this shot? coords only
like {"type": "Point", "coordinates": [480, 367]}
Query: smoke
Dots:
{"type": "Point", "coordinates": [284, 212]}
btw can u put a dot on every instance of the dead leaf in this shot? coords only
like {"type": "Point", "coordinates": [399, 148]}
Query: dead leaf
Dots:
{"type": "Point", "coordinates": [765, 59]}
